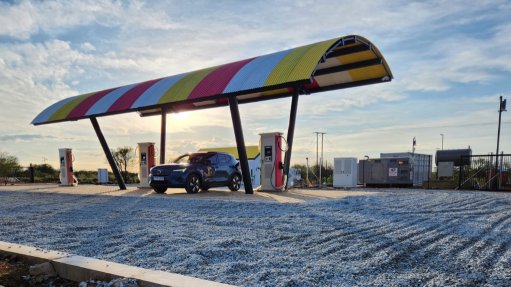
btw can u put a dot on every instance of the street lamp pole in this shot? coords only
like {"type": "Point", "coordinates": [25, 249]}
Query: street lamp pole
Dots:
{"type": "Point", "coordinates": [307, 172]}
{"type": "Point", "coordinates": [442, 141]}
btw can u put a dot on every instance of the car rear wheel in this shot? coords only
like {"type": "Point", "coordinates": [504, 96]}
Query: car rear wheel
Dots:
{"type": "Point", "coordinates": [160, 189]}
{"type": "Point", "coordinates": [192, 183]}
{"type": "Point", "coordinates": [235, 182]}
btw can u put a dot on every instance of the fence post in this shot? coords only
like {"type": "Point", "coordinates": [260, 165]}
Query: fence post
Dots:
{"type": "Point", "coordinates": [460, 174]}
{"type": "Point", "coordinates": [31, 173]}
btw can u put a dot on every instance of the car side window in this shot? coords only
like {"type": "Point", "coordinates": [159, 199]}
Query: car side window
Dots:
{"type": "Point", "coordinates": [222, 158]}
{"type": "Point", "coordinates": [232, 160]}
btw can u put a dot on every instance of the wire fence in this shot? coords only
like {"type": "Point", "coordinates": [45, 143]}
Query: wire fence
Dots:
{"type": "Point", "coordinates": [486, 172]}
{"type": "Point", "coordinates": [24, 175]}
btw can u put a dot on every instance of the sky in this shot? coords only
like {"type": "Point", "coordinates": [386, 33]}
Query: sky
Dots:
{"type": "Point", "coordinates": [451, 61]}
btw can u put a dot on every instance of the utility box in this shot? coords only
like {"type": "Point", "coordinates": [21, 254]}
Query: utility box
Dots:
{"type": "Point", "coordinates": [271, 161]}
{"type": "Point", "coordinates": [102, 175]}
{"type": "Point", "coordinates": [445, 169]}
{"type": "Point", "coordinates": [420, 164]}
{"type": "Point", "coordinates": [345, 172]}
{"type": "Point", "coordinates": [66, 167]}
{"type": "Point", "coordinates": [387, 172]}
{"type": "Point", "coordinates": [145, 163]}
{"type": "Point", "coordinates": [396, 169]}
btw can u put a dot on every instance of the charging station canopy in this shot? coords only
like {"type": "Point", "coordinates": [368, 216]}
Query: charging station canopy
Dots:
{"type": "Point", "coordinates": [333, 64]}
{"type": "Point", "coordinates": [338, 63]}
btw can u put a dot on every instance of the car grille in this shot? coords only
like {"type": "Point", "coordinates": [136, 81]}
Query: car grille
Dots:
{"type": "Point", "coordinates": [160, 172]}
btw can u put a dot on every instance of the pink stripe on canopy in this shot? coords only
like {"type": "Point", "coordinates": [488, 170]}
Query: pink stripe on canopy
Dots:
{"type": "Point", "coordinates": [216, 81]}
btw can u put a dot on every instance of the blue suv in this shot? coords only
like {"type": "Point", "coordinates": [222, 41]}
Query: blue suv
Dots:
{"type": "Point", "coordinates": [196, 171]}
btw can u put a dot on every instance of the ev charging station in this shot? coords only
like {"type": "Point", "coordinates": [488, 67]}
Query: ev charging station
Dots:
{"type": "Point", "coordinates": [271, 161]}
{"type": "Point", "coordinates": [66, 167]}
{"type": "Point", "coordinates": [310, 69]}
{"type": "Point", "coordinates": [146, 162]}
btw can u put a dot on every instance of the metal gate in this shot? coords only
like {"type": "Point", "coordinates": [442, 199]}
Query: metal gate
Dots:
{"type": "Point", "coordinates": [486, 172]}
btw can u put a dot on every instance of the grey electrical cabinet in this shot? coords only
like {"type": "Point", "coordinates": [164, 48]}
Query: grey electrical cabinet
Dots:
{"type": "Point", "coordinates": [345, 172]}
{"type": "Point", "coordinates": [396, 169]}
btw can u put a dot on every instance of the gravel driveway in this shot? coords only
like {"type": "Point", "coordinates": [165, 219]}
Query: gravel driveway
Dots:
{"type": "Point", "coordinates": [394, 238]}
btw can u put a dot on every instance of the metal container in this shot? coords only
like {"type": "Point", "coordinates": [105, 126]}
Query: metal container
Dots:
{"type": "Point", "coordinates": [395, 169]}
{"type": "Point", "coordinates": [459, 157]}
{"type": "Point", "coordinates": [421, 165]}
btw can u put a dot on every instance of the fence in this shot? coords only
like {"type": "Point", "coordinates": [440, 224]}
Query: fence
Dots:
{"type": "Point", "coordinates": [485, 173]}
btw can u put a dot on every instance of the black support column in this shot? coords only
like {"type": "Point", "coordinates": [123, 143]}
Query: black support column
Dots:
{"type": "Point", "coordinates": [290, 134]}
{"type": "Point", "coordinates": [108, 154]}
{"type": "Point", "coordinates": [240, 142]}
{"type": "Point", "coordinates": [163, 134]}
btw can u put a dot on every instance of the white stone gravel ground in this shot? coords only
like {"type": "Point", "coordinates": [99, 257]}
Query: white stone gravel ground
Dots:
{"type": "Point", "coordinates": [394, 238]}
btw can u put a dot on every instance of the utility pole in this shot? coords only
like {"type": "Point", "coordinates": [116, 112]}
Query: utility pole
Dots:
{"type": "Point", "coordinates": [502, 108]}
{"type": "Point", "coordinates": [317, 154]}
{"type": "Point", "coordinates": [320, 182]}
{"type": "Point", "coordinates": [318, 163]}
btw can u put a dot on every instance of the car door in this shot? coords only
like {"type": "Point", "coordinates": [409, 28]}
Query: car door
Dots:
{"type": "Point", "coordinates": [210, 164]}
{"type": "Point", "coordinates": [223, 170]}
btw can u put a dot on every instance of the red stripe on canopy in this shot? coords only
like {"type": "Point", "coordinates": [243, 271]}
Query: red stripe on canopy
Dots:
{"type": "Point", "coordinates": [83, 107]}
{"type": "Point", "coordinates": [216, 81]}
{"type": "Point", "coordinates": [312, 86]}
{"type": "Point", "coordinates": [127, 100]}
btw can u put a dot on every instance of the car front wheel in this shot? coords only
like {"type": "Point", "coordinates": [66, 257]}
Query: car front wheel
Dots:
{"type": "Point", "coordinates": [192, 183]}
{"type": "Point", "coordinates": [160, 189]}
{"type": "Point", "coordinates": [235, 182]}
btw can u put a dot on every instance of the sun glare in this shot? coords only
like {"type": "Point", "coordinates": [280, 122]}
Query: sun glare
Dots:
{"type": "Point", "coordinates": [180, 116]}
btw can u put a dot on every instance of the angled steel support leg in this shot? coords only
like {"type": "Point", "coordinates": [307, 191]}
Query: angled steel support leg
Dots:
{"type": "Point", "coordinates": [163, 135]}
{"type": "Point", "coordinates": [290, 135]}
{"type": "Point", "coordinates": [240, 142]}
{"type": "Point", "coordinates": [108, 154]}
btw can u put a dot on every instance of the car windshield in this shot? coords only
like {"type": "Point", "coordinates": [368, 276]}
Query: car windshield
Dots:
{"type": "Point", "coordinates": [191, 158]}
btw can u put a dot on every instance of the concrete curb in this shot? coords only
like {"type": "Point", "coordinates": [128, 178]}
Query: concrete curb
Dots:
{"type": "Point", "coordinates": [79, 268]}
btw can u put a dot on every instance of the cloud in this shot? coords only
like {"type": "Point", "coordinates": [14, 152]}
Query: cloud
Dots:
{"type": "Point", "coordinates": [25, 137]}
{"type": "Point", "coordinates": [56, 17]}
{"type": "Point", "coordinates": [10, 20]}
{"type": "Point", "coordinates": [87, 47]}
{"type": "Point", "coordinates": [491, 99]}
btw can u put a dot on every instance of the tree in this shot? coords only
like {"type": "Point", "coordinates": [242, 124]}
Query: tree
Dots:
{"type": "Point", "coordinates": [45, 170]}
{"type": "Point", "coordinates": [123, 157]}
{"type": "Point", "coordinates": [45, 173]}
{"type": "Point", "coordinates": [9, 165]}
{"type": "Point", "coordinates": [302, 169]}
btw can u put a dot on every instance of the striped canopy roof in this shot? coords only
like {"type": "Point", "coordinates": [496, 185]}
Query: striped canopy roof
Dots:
{"type": "Point", "coordinates": [333, 64]}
